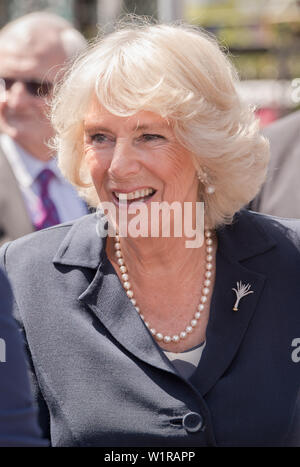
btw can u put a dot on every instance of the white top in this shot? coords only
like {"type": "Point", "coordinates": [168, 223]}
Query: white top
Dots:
{"type": "Point", "coordinates": [186, 362]}
{"type": "Point", "coordinates": [26, 168]}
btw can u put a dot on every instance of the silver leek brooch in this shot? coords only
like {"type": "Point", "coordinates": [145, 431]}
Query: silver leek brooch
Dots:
{"type": "Point", "coordinates": [241, 291]}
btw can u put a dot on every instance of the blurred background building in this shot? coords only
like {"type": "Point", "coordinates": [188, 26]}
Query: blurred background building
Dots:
{"type": "Point", "coordinates": [263, 37]}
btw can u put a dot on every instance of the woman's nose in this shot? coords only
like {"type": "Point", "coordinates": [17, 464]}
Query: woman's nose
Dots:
{"type": "Point", "coordinates": [125, 161]}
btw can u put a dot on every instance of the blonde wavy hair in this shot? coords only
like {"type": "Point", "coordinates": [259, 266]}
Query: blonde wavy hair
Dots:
{"type": "Point", "coordinates": [180, 73]}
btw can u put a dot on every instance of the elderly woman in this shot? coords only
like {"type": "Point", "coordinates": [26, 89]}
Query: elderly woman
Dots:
{"type": "Point", "coordinates": [141, 339]}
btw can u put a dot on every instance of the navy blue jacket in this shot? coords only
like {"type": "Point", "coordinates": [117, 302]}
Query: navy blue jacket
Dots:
{"type": "Point", "coordinates": [101, 379]}
{"type": "Point", "coordinates": [18, 417]}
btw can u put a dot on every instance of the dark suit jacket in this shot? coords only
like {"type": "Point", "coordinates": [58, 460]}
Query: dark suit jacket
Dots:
{"type": "Point", "coordinates": [102, 380]}
{"type": "Point", "coordinates": [280, 194]}
{"type": "Point", "coordinates": [18, 417]}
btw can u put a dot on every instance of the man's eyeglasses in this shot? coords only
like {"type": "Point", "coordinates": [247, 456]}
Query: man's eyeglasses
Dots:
{"type": "Point", "coordinates": [34, 88]}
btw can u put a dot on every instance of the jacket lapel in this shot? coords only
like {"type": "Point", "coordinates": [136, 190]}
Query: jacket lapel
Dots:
{"type": "Point", "coordinates": [108, 300]}
{"type": "Point", "coordinates": [105, 295]}
{"type": "Point", "coordinates": [226, 328]}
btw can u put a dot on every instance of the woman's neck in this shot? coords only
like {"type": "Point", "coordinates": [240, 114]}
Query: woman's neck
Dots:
{"type": "Point", "coordinates": [153, 257]}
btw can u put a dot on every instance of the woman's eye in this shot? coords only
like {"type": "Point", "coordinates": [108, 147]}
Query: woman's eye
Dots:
{"type": "Point", "coordinates": [98, 138]}
{"type": "Point", "coordinates": [101, 138]}
{"type": "Point", "coordinates": [152, 137]}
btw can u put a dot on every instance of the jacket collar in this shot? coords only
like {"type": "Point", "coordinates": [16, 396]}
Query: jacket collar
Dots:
{"type": "Point", "coordinates": [242, 240]}
{"type": "Point", "coordinates": [84, 246]}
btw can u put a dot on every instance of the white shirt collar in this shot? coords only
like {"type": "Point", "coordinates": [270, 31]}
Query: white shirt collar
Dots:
{"type": "Point", "coordinates": [25, 167]}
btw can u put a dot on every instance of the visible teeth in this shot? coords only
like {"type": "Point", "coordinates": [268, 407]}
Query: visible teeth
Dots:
{"type": "Point", "coordinates": [135, 194]}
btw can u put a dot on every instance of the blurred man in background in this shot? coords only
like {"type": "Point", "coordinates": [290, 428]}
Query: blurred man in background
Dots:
{"type": "Point", "coordinates": [280, 194]}
{"type": "Point", "coordinates": [33, 193]}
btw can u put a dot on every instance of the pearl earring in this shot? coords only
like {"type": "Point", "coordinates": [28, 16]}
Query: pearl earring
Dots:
{"type": "Point", "coordinates": [204, 179]}
{"type": "Point", "coordinates": [210, 189]}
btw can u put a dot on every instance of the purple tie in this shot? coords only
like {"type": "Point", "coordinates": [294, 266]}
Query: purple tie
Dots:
{"type": "Point", "coordinates": [48, 214]}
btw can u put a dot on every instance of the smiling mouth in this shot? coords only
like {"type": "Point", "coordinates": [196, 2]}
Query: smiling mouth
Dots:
{"type": "Point", "coordinates": [139, 195]}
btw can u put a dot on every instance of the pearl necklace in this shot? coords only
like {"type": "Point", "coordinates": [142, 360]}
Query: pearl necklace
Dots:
{"type": "Point", "coordinates": [205, 291]}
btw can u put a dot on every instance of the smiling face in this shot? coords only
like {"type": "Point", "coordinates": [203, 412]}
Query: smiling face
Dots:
{"type": "Point", "coordinates": [137, 159]}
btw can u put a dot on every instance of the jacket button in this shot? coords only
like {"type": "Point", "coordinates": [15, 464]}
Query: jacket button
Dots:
{"type": "Point", "coordinates": [192, 422]}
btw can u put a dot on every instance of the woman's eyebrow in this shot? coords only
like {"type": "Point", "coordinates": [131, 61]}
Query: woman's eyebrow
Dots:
{"type": "Point", "coordinates": [152, 126]}
{"type": "Point", "coordinates": [95, 128]}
